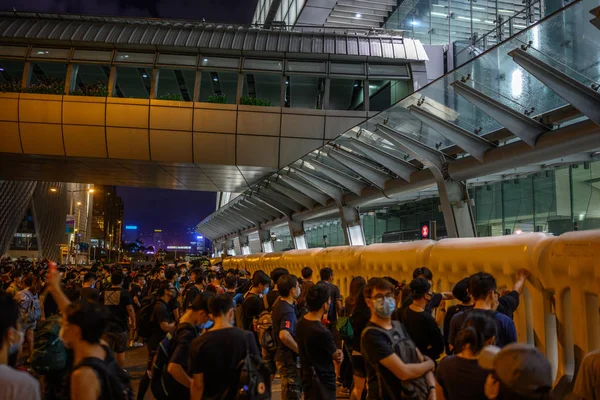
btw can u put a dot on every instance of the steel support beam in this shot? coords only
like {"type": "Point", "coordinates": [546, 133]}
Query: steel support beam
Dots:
{"type": "Point", "coordinates": [324, 186]}
{"type": "Point", "coordinates": [255, 210]}
{"type": "Point", "coordinates": [471, 143]}
{"type": "Point", "coordinates": [247, 213]}
{"type": "Point", "coordinates": [453, 194]}
{"type": "Point", "coordinates": [583, 98]}
{"type": "Point", "coordinates": [293, 194]}
{"type": "Point", "coordinates": [308, 190]}
{"type": "Point", "coordinates": [240, 216]}
{"type": "Point", "coordinates": [265, 207]}
{"type": "Point", "coordinates": [400, 167]}
{"type": "Point", "coordinates": [517, 123]}
{"type": "Point", "coordinates": [298, 235]}
{"type": "Point", "coordinates": [275, 203]}
{"type": "Point", "coordinates": [354, 163]}
{"type": "Point", "coordinates": [351, 226]}
{"type": "Point", "coordinates": [346, 181]}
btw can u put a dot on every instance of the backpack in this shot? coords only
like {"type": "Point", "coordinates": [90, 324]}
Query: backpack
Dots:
{"type": "Point", "coordinates": [115, 383]}
{"type": "Point", "coordinates": [255, 379]}
{"type": "Point", "coordinates": [144, 317]}
{"type": "Point", "coordinates": [239, 312]}
{"type": "Point", "coordinates": [344, 326]}
{"type": "Point", "coordinates": [159, 368]}
{"type": "Point", "coordinates": [49, 353]}
{"type": "Point", "coordinates": [264, 327]}
{"type": "Point", "coordinates": [34, 312]}
{"type": "Point", "coordinates": [402, 344]}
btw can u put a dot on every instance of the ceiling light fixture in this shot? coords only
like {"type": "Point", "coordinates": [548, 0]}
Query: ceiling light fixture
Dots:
{"type": "Point", "coordinates": [358, 15]}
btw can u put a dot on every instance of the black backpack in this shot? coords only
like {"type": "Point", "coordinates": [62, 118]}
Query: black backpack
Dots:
{"type": "Point", "coordinates": [115, 383]}
{"type": "Point", "coordinates": [144, 321]}
{"type": "Point", "coordinates": [49, 353]}
{"type": "Point", "coordinates": [159, 368]}
{"type": "Point", "coordinates": [255, 379]}
{"type": "Point", "coordinates": [402, 344]}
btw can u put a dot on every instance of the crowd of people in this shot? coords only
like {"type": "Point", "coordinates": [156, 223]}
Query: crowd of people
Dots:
{"type": "Point", "coordinates": [212, 333]}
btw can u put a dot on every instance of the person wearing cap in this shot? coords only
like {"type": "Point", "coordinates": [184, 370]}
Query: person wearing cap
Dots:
{"type": "Point", "coordinates": [517, 372]}
{"type": "Point", "coordinates": [459, 376]}
{"type": "Point", "coordinates": [437, 302]}
{"type": "Point", "coordinates": [420, 324]}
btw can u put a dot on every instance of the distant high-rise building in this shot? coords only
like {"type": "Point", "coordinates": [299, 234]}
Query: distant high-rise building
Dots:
{"type": "Point", "coordinates": [107, 218]}
{"type": "Point", "coordinates": [157, 239]}
{"type": "Point", "coordinates": [130, 233]}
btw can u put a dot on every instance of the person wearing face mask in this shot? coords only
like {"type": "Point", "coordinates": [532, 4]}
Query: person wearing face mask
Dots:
{"type": "Point", "coordinates": [253, 305]}
{"type": "Point", "coordinates": [395, 367]}
{"type": "Point", "coordinates": [14, 384]}
{"type": "Point", "coordinates": [419, 323]}
{"type": "Point", "coordinates": [175, 381]}
{"type": "Point", "coordinates": [216, 354]}
{"type": "Point", "coordinates": [88, 291]}
{"type": "Point", "coordinates": [317, 348]}
{"type": "Point", "coordinates": [284, 331]}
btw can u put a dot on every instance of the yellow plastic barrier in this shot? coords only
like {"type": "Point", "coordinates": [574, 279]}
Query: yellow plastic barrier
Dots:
{"type": "Point", "coordinates": [558, 312]}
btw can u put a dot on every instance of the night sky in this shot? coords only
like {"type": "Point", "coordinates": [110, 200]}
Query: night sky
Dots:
{"type": "Point", "coordinates": [228, 11]}
{"type": "Point", "coordinates": [170, 210]}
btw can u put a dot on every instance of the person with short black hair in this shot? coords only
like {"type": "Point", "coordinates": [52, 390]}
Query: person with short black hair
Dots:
{"type": "Point", "coordinates": [176, 380]}
{"type": "Point", "coordinates": [88, 291]}
{"type": "Point", "coordinates": [284, 330]}
{"type": "Point", "coordinates": [273, 293]}
{"type": "Point", "coordinates": [194, 288]}
{"type": "Point", "coordinates": [307, 283]}
{"type": "Point", "coordinates": [420, 324]}
{"type": "Point", "coordinates": [390, 367]}
{"type": "Point", "coordinates": [482, 287]}
{"type": "Point", "coordinates": [231, 284]}
{"type": "Point", "coordinates": [461, 293]}
{"type": "Point", "coordinates": [459, 376]}
{"type": "Point", "coordinates": [252, 304]}
{"type": "Point", "coordinates": [163, 321]}
{"type": "Point", "coordinates": [14, 384]}
{"type": "Point", "coordinates": [216, 354]}
{"type": "Point", "coordinates": [317, 348]}
{"type": "Point", "coordinates": [336, 305]}
{"type": "Point", "coordinates": [118, 302]}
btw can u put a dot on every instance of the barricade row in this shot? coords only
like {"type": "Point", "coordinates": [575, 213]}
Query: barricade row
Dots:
{"type": "Point", "coordinates": [558, 312]}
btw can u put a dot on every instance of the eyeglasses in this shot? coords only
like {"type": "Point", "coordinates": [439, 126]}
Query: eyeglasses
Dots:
{"type": "Point", "coordinates": [380, 296]}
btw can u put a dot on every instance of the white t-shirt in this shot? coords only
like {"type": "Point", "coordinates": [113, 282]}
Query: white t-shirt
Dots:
{"type": "Point", "coordinates": [18, 385]}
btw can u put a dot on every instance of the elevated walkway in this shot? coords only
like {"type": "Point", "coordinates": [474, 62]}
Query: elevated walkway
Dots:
{"type": "Point", "coordinates": [183, 104]}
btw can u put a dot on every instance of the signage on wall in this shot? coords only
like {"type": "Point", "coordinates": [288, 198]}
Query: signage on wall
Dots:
{"type": "Point", "coordinates": [70, 227]}
{"type": "Point", "coordinates": [427, 230]}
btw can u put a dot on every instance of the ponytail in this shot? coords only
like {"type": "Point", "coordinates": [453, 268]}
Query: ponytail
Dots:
{"type": "Point", "coordinates": [478, 328]}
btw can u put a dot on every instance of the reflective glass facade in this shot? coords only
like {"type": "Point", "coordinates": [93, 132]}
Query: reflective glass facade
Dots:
{"type": "Point", "coordinates": [324, 234]}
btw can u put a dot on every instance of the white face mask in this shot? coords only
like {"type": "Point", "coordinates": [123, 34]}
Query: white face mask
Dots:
{"type": "Point", "coordinates": [15, 347]}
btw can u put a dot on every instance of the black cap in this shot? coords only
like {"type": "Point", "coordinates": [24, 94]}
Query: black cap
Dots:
{"type": "Point", "coordinates": [460, 290]}
{"type": "Point", "coordinates": [420, 286]}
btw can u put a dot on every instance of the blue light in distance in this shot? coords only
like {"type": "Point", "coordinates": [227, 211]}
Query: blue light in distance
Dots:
{"type": "Point", "coordinates": [199, 237]}
{"type": "Point", "coordinates": [131, 227]}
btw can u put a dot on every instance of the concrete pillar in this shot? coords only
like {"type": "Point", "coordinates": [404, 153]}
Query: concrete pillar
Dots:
{"type": "Point", "coordinates": [456, 207]}
{"type": "Point", "coordinates": [230, 247]}
{"type": "Point", "coordinates": [265, 241]}
{"type": "Point", "coordinates": [298, 236]}
{"type": "Point", "coordinates": [244, 241]}
{"type": "Point", "coordinates": [351, 226]}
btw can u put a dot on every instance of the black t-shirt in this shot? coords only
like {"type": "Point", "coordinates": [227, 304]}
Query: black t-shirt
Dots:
{"type": "Point", "coordinates": [190, 296]}
{"type": "Point", "coordinates": [117, 300]}
{"type": "Point", "coordinates": [252, 307]}
{"type": "Point", "coordinates": [271, 297]}
{"type": "Point", "coordinates": [89, 294]}
{"type": "Point", "coordinates": [284, 318]}
{"type": "Point", "coordinates": [232, 295]}
{"type": "Point", "coordinates": [316, 347]}
{"type": "Point", "coordinates": [334, 294]}
{"type": "Point", "coordinates": [180, 354]}
{"type": "Point", "coordinates": [461, 378]}
{"type": "Point", "coordinates": [136, 291]}
{"type": "Point", "coordinates": [452, 311]}
{"type": "Point", "coordinates": [424, 331]}
{"type": "Point", "coordinates": [161, 313]}
{"type": "Point", "coordinates": [359, 320]}
{"type": "Point", "coordinates": [435, 301]}
{"type": "Point", "coordinates": [217, 354]}
{"type": "Point", "coordinates": [376, 347]}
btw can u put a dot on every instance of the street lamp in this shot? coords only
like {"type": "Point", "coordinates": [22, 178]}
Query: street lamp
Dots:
{"type": "Point", "coordinates": [78, 203]}
{"type": "Point", "coordinates": [53, 190]}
